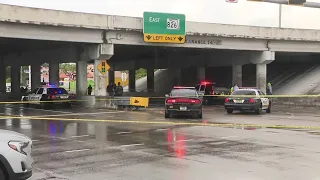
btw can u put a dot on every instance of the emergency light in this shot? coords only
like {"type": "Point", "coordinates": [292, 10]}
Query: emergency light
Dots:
{"type": "Point", "coordinates": [182, 87]}
{"type": "Point", "coordinates": [206, 82]}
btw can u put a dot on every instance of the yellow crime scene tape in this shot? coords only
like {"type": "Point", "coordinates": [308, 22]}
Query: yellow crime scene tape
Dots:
{"type": "Point", "coordinates": [145, 100]}
{"type": "Point", "coordinates": [209, 124]}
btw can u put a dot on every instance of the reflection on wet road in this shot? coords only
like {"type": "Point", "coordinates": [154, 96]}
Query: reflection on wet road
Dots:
{"type": "Point", "coordinates": [81, 150]}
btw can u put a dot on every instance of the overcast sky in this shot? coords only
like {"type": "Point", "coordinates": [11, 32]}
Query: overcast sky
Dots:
{"type": "Point", "coordinates": [214, 11]}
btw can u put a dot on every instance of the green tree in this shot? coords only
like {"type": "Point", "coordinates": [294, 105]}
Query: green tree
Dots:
{"type": "Point", "coordinates": [67, 67]}
{"type": "Point", "coordinates": [140, 73]}
{"type": "Point", "coordinates": [8, 71]}
{"type": "Point", "coordinates": [24, 76]}
{"type": "Point", "coordinates": [45, 65]}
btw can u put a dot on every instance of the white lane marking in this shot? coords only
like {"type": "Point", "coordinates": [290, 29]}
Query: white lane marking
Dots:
{"type": "Point", "coordinates": [128, 132]}
{"type": "Point", "coordinates": [79, 141]}
{"type": "Point", "coordinates": [165, 129]}
{"type": "Point", "coordinates": [129, 145]}
{"type": "Point", "coordinates": [77, 150]}
{"type": "Point", "coordinates": [227, 137]}
{"type": "Point", "coordinates": [80, 136]}
{"type": "Point", "coordinates": [185, 140]}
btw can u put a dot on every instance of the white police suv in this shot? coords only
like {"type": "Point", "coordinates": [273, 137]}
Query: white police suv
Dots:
{"type": "Point", "coordinates": [248, 99]}
{"type": "Point", "coordinates": [47, 96]}
{"type": "Point", "coordinates": [16, 162]}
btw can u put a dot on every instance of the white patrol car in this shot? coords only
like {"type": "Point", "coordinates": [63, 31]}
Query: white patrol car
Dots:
{"type": "Point", "coordinates": [43, 95]}
{"type": "Point", "coordinates": [16, 160]}
{"type": "Point", "coordinates": [248, 99]}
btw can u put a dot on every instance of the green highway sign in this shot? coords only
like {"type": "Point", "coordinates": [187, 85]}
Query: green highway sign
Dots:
{"type": "Point", "coordinates": [164, 27]}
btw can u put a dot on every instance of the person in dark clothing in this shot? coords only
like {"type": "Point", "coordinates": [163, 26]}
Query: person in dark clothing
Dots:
{"type": "Point", "coordinates": [119, 90]}
{"type": "Point", "coordinates": [89, 90]}
{"type": "Point", "coordinates": [110, 89]}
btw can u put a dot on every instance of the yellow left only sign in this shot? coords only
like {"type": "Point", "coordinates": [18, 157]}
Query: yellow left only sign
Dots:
{"type": "Point", "coordinates": [164, 38]}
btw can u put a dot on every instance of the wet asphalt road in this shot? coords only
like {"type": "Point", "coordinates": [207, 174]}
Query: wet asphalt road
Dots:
{"type": "Point", "coordinates": [70, 144]}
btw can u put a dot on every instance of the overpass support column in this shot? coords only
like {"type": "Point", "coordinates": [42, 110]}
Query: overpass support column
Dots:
{"type": "Point", "coordinates": [261, 76]}
{"type": "Point", "coordinates": [111, 75]}
{"type": "Point", "coordinates": [150, 79]}
{"type": "Point", "coordinates": [132, 80]}
{"type": "Point", "coordinates": [2, 77]}
{"type": "Point", "coordinates": [261, 59]}
{"type": "Point", "coordinates": [15, 78]}
{"type": "Point", "coordinates": [175, 75]}
{"type": "Point", "coordinates": [81, 78]}
{"type": "Point", "coordinates": [237, 74]}
{"type": "Point", "coordinates": [98, 53]}
{"type": "Point", "coordinates": [54, 76]}
{"type": "Point", "coordinates": [35, 75]}
{"type": "Point", "coordinates": [201, 73]}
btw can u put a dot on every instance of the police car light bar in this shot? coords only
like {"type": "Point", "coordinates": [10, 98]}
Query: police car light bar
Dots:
{"type": "Point", "coordinates": [206, 82]}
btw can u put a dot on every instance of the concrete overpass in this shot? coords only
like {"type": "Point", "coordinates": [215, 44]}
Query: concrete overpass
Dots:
{"type": "Point", "coordinates": [54, 25]}
{"type": "Point", "coordinates": [34, 36]}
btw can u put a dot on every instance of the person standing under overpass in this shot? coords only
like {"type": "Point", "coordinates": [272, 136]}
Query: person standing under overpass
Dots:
{"type": "Point", "coordinates": [269, 88]}
{"type": "Point", "coordinates": [119, 90]}
{"type": "Point", "coordinates": [89, 90]}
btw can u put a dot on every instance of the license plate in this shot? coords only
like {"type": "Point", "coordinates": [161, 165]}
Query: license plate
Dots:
{"type": "Point", "coordinates": [183, 108]}
{"type": "Point", "coordinates": [238, 101]}
{"type": "Point", "coordinates": [63, 97]}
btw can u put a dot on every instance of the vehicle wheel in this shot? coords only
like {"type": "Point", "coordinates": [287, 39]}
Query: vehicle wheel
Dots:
{"type": "Point", "coordinates": [167, 115]}
{"type": "Point", "coordinates": [269, 108]}
{"type": "Point", "coordinates": [229, 111]}
{"type": "Point", "coordinates": [2, 174]}
{"type": "Point", "coordinates": [259, 110]}
{"type": "Point", "coordinates": [200, 115]}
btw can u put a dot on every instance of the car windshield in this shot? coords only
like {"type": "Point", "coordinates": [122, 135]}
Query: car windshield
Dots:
{"type": "Point", "coordinates": [57, 91]}
{"type": "Point", "coordinates": [244, 92]}
{"type": "Point", "coordinates": [184, 93]}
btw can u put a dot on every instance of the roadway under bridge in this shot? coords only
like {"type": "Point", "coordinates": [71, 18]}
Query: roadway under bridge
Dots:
{"type": "Point", "coordinates": [229, 54]}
